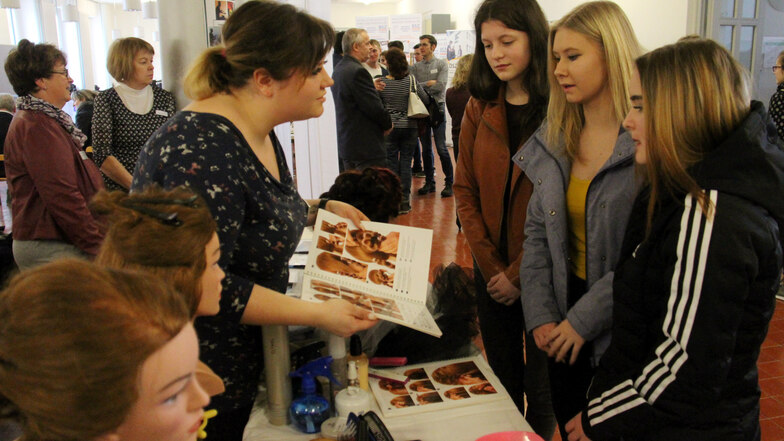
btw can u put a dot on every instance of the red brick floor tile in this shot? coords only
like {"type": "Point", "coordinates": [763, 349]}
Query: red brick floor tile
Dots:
{"type": "Point", "coordinates": [771, 431]}
{"type": "Point", "coordinates": [770, 408]}
{"type": "Point", "coordinates": [773, 387]}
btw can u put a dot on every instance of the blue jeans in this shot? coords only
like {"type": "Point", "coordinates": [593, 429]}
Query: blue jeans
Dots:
{"type": "Point", "coordinates": [439, 133]}
{"type": "Point", "coordinates": [400, 146]}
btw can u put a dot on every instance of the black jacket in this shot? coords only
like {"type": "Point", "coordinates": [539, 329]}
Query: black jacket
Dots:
{"type": "Point", "coordinates": [84, 121]}
{"type": "Point", "coordinates": [692, 302]}
{"type": "Point", "coordinates": [361, 116]}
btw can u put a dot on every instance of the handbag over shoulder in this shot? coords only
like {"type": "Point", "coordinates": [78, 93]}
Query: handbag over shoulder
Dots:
{"type": "Point", "coordinates": [416, 108]}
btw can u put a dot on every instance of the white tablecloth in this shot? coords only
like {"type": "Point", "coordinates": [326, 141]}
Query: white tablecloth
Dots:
{"type": "Point", "coordinates": [458, 424]}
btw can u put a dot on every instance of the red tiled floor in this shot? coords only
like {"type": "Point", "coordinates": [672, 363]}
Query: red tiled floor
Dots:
{"type": "Point", "coordinates": [433, 211]}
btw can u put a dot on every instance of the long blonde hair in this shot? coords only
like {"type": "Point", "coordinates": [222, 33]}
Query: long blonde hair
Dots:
{"type": "Point", "coordinates": [607, 24]}
{"type": "Point", "coordinates": [460, 80]}
{"type": "Point", "coordinates": [694, 95]}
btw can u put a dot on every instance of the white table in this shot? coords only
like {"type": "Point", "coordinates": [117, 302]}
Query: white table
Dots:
{"type": "Point", "coordinates": [458, 424]}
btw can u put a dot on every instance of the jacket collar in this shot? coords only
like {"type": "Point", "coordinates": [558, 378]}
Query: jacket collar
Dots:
{"type": "Point", "coordinates": [536, 145]}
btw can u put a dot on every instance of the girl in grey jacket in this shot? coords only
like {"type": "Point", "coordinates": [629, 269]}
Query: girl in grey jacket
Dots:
{"type": "Point", "coordinates": [581, 164]}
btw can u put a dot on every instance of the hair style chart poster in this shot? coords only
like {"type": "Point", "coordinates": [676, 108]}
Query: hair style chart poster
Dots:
{"type": "Point", "coordinates": [380, 267]}
{"type": "Point", "coordinates": [437, 385]}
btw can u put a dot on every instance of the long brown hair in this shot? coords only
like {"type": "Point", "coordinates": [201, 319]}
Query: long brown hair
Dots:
{"type": "Point", "coordinates": [694, 95]}
{"type": "Point", "coordinates": [141, 240]}
{"type": "Point", "coordinates": [267, 35]}
{"type": "Point", "coordinates": [73, 339]}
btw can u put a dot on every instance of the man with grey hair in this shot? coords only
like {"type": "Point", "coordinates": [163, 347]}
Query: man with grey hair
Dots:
{"type": "Point", "coordinates": [362, 120]}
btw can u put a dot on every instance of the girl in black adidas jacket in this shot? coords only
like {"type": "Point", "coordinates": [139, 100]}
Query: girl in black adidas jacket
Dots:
{"type": "Point", "coordinates": [695, 285]}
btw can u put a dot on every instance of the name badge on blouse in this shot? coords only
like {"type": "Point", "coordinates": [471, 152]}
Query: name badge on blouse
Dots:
{"type": "Point", "coordinates": [83, 155]}
{"type": "Point", "coordinates": [162, 112]}
{"type": "Point", "coordinates": [433, 70]}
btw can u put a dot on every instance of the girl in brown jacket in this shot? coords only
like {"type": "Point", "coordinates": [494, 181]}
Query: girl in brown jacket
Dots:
{"type": "Point", "coordinates": [508, 84]}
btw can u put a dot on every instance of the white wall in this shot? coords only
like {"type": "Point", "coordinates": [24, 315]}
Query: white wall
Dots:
{"type": "Point", "coordinates": [656, 22]}
{"type": "Point", "coordinates": [771, 27]}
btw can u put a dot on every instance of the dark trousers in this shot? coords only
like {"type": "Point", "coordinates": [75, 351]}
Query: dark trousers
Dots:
{"type": "Point", "coordinates": [400, 145]}
{"type": "Point", "coordinates": [569, 383]}
{"type": "Point", "coordinates": [439, 136]}
{"type": "Point", "coordinates": [521, 368]}
{"type": "Point", "coordinates": [361, 164]}
{"type": "Point", "coordinates": [228, 425]}
{"type": "Point", "coordinates": [417, 154]}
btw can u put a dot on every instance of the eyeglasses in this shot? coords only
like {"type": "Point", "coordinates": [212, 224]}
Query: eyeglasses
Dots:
{"type": "Point", "coordinates": [775, 68]}
{"type": "Point", "coordinates": [61, 72]}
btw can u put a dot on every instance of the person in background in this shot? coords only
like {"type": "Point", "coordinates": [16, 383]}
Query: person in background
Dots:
{"type": "Point", "coordinates": [337, 52]}
{"type": "Point", "coordinates": [383, 59]}
{"type": "Point", "coordinates": [416, 170]}
{"type": "Point", "coordinates": [7, 110]}
{"type": "Point", "coordinates": [120, 365]}
{"type": "Point", "coordinates": [222, 146]}
{"type": "Point", "coordinates": [372, 65]}
{"type": "Point", "coordinates": [694, 289]}
{"type": "Point", "coordinates": [375, 191]}
{"type": "Point", "coordinates": [417, 53]}
{"type": "Point", "coordinates": [432, 74]}
{"type": "Point", "coordinates": [457, 97]}
{"type": "Point", "coordinates": [49, 175]}
{"type": "Point", "coordinates": [127, 114]}
{"type": "Point", "coordinates": [362, 121]}
{"type": "Point", "coordinates": [508, 89]}
{"type": "Point", "coordinates": [396, 43]}
{"type": "Point", "coordinates": [581, 162]}
{"type": "Point", "coordinates": [776, 105]}
{"type": "Point", "coordinates": [400, 143]}
{"type": "Point", "coordinates": [83, 101]}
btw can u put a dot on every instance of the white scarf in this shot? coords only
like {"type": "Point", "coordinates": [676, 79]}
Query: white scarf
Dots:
{"type": "Point", "coordinates": [137, 101]}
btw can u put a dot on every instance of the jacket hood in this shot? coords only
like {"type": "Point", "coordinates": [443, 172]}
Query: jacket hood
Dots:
{"type": "Point", "coordinates": [749, 164]}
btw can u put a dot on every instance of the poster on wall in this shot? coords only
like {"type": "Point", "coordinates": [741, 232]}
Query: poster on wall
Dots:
{"type": "Point", "coordinates": [218, 11]}
{"type": "Point", "coordinates": [377, 27]}
{"type": "Point", "coordinates": [223, 9]}
{"type": "Point", "coordinates": [459, 43]}
{"type": "Point", "coordinates": [406, 28]}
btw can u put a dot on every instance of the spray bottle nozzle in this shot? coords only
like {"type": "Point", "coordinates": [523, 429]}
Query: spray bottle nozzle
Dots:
{"type": "Point", "coordinates": [317, 367]}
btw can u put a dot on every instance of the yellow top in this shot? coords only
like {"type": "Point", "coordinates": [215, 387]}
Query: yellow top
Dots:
{"type": "Point", "coordinates": [575, 205]}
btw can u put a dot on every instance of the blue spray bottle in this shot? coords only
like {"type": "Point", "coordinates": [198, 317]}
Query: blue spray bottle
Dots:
{"type": "Point", "coordinates": [309, 410]}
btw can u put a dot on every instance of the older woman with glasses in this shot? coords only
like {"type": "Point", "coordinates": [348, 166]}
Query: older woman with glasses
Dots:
{"type": "Point", "coordinates": [49, 175]}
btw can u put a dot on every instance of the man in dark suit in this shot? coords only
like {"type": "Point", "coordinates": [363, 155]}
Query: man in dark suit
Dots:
{"type": "Point", "coordinates": [362, 120]}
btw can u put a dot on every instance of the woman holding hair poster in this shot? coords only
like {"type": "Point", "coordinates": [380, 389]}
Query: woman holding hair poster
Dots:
{"type": "Point", "coordinates": [508, 84]}
{"type": "Point", "coordinates": [222, 146]}
{"type": "Point", "coordinates": [581, 163]}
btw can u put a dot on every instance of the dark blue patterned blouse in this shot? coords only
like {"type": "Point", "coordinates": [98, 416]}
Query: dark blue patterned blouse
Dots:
{"type": "Point", "coordinates": [776, 109]}
{"type": "Point", "coordinates": [260, 220]}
